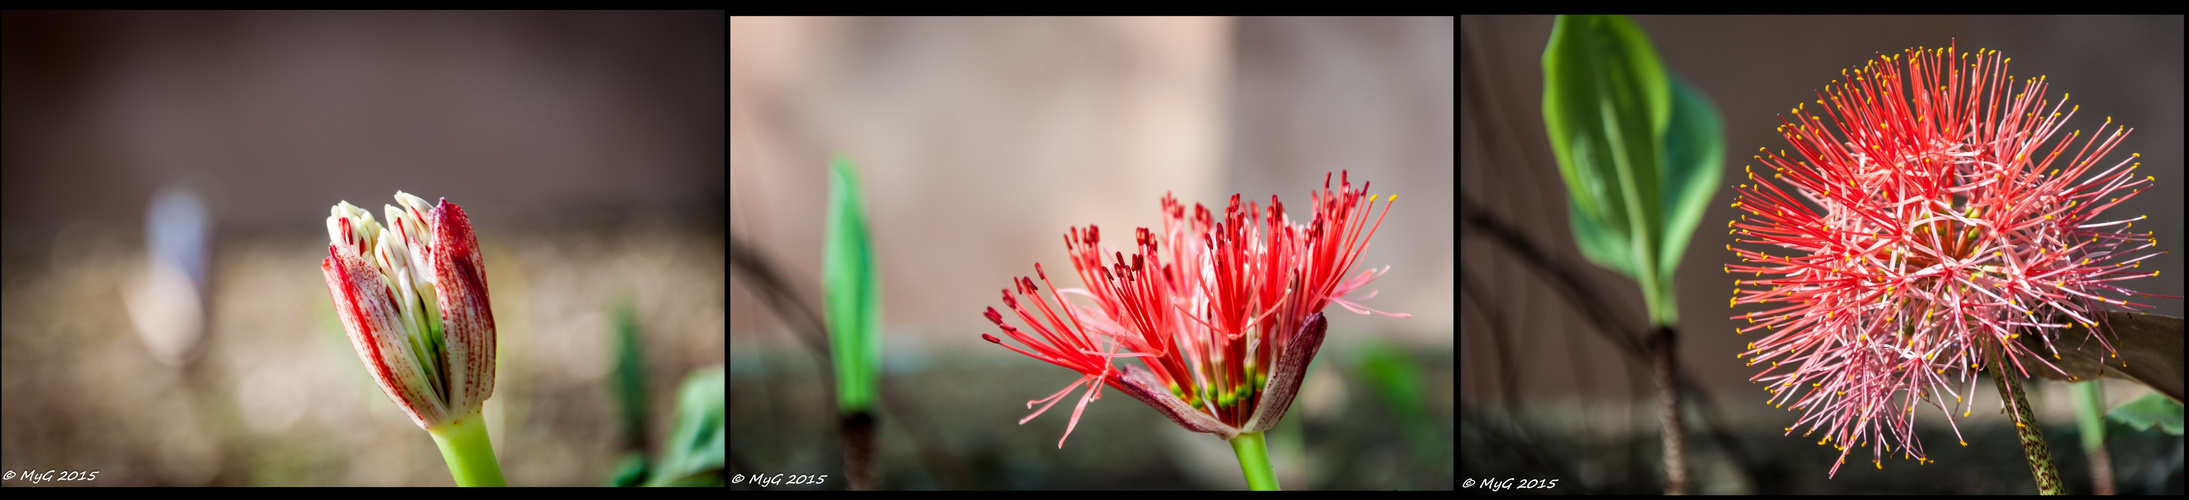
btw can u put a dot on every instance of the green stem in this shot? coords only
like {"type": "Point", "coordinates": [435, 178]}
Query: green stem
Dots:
{"type": "Point", "coordinates": [2025, 424]}
{"type": "Point", "coordinates": [470, 456]}
{"type": "Point", "coordinates": [2090, 418]}
{"type": "Point", "coordinates": [1254, 461]}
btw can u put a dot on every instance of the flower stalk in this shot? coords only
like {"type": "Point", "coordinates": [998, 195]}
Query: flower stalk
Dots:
{"type": "Point", "coordinates": [1253, 453]}
{"type": "Point", "coordinates": [2034, 449]}
{"type": "Point", "coordinates": [470, 455]}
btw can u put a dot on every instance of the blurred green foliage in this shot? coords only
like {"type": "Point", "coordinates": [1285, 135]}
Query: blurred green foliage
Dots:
{"type": "Point", "coordinates": [694, 454]}
{"type": "Point", "coordinates": [2150, 410]}
{"type": "Point", "coordinates": [1396, 381]}
{"type": "Point", "coordinates": [628, 380]}
{"type": "Point", "coordinates": [852, 291]}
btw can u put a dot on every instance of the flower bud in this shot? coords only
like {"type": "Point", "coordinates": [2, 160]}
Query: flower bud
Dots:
{"type": "Point", "coordinates": [412, 297]}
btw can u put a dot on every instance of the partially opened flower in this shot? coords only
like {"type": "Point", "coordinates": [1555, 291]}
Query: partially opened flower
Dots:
{"type": "Point", "coordinates": [1225, 314]}
{"type": "Point", "coordinates": [1917, 242]}
{"type": "Point", "coordinates": [412, 295]}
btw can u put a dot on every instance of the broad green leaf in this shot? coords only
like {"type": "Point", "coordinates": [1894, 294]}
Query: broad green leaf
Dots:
{"type": "Point", "coordinates": [1694, 158]}
{"type": "Point", "coordinates": [1605, 104]}
{"type": "Point", "coordinates": [1603, 246]}
{"type": "Point", "coordinates": [2152, 409]}
{"type": "Point", "coordinates": [694, 453]}
{"type": "Point", "coordinates": [1608, 106]}
{"type": "Point", "coordinates": [853, 296]}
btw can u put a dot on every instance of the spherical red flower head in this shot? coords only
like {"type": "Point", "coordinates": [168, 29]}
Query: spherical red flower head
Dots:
{"type": "Point", "coordinates": [1928, 226]}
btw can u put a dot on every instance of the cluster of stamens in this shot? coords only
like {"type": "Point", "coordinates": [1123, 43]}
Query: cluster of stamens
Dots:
{"type": "Point", "coordinates": [1924, 237]}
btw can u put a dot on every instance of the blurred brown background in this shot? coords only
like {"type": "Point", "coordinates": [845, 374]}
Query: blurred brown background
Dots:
{"type": "Point", "coordinates": [981, 140]}
{"type": "Point", "coordinates": [1754, 68]}
{"type": "Point", "coordinates": [586, 146]}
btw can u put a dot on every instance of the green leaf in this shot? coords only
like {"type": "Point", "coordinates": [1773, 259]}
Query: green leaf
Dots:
{"type": "Point", "coordinates": [631, 471]}
{"type": "Point", "coordinates": [1640, 151]}
{"type": "Point", "coordinates": [1694, 159]}
{"type": "Point", "coordinates": [628, 380]}
{"type": "Point", "coordinates": [1605, 103]}
{"type": "Point", "coordinates": [695, 448]}
{"type": "Point", "coordinates": [2152, 409]}
{"type": "Point", "coordinates": [1603, 246]}
{"type": "Point", "coordinates": [853, 295]}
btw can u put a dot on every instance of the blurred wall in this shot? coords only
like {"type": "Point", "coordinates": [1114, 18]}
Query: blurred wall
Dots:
{"type": "Point", "coordinates": [981, 140]}
{"type": "Point", "coordinates": [279, 114]}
